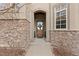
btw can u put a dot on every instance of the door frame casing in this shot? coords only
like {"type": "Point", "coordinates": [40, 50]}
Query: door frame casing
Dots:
{"type": "Point", "coordinates": [47, 23]}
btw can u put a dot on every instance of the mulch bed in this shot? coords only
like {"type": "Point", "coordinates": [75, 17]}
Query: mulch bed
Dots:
{"type": "Point", "coordinates": [61, 52]}
{"type": "Point", "coordinates": [12, 52]}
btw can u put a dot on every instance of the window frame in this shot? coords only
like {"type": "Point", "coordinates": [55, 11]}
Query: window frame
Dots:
{"type": "Point", "coordinates": [55, 15]}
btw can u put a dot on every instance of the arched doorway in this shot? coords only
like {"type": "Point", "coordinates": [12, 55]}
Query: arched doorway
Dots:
{"type": "Point", "coordinates": [40, 24]}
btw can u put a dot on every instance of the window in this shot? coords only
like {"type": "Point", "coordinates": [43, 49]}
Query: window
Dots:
{"type": "Point", "coordinates": [61, 19]}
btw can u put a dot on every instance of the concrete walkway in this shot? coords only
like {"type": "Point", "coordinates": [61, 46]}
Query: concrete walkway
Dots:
{"type": "Point", "coordinates": [39, 48]}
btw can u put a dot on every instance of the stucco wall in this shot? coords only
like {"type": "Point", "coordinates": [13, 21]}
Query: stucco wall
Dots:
{"type": "Point", "coordinates": [74, 16]}
{"type": "Point", "coordinates": [17, 13]}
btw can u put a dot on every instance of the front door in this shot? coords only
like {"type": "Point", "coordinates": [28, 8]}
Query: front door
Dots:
{"type": "Point", "coordinates": [40, 24]}
{"type": "Point", "coordinates": [40, 31]}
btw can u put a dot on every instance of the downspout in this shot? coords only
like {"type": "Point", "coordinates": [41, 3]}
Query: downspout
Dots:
{"type": "Point", "coordinates": [50, 21]}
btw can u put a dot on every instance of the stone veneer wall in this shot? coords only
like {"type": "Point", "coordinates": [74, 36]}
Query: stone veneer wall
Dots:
{"type": "Point", "coordinates": [65, 42]}
{"type": "Point", "coordinates": [14, 33]}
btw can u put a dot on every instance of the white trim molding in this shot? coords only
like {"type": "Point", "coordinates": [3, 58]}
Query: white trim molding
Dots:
{"type": "Point", "coordinates": [55, 12]}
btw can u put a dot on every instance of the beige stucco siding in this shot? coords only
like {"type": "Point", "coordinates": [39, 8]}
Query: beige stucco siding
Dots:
{"type": "Point", "coordinates": [74, 17]}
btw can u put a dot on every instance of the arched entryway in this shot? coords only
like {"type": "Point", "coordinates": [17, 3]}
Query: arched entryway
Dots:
{"type": "Point", "coordinates": [40, 24]}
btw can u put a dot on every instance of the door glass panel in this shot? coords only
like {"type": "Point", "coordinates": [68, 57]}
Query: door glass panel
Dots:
{"type": "Point", "coordinates": [40, 25]}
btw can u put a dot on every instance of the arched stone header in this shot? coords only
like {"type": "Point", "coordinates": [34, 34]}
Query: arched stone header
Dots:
{"type": "Point", "coordinates": [40, 11]}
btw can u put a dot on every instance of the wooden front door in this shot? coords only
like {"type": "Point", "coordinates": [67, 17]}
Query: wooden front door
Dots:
{"type": "Point", "coordinates": [40, 29]}
{"type": "Point", "coordinates": [40, 24]}
{"type": "Point", "coordinates": [39, 33]}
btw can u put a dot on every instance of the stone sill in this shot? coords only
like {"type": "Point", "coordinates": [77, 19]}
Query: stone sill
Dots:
{"type": "Point", "coordinates": [65, 30]}
{"type": "Point", "coordinates": [15, 19]}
